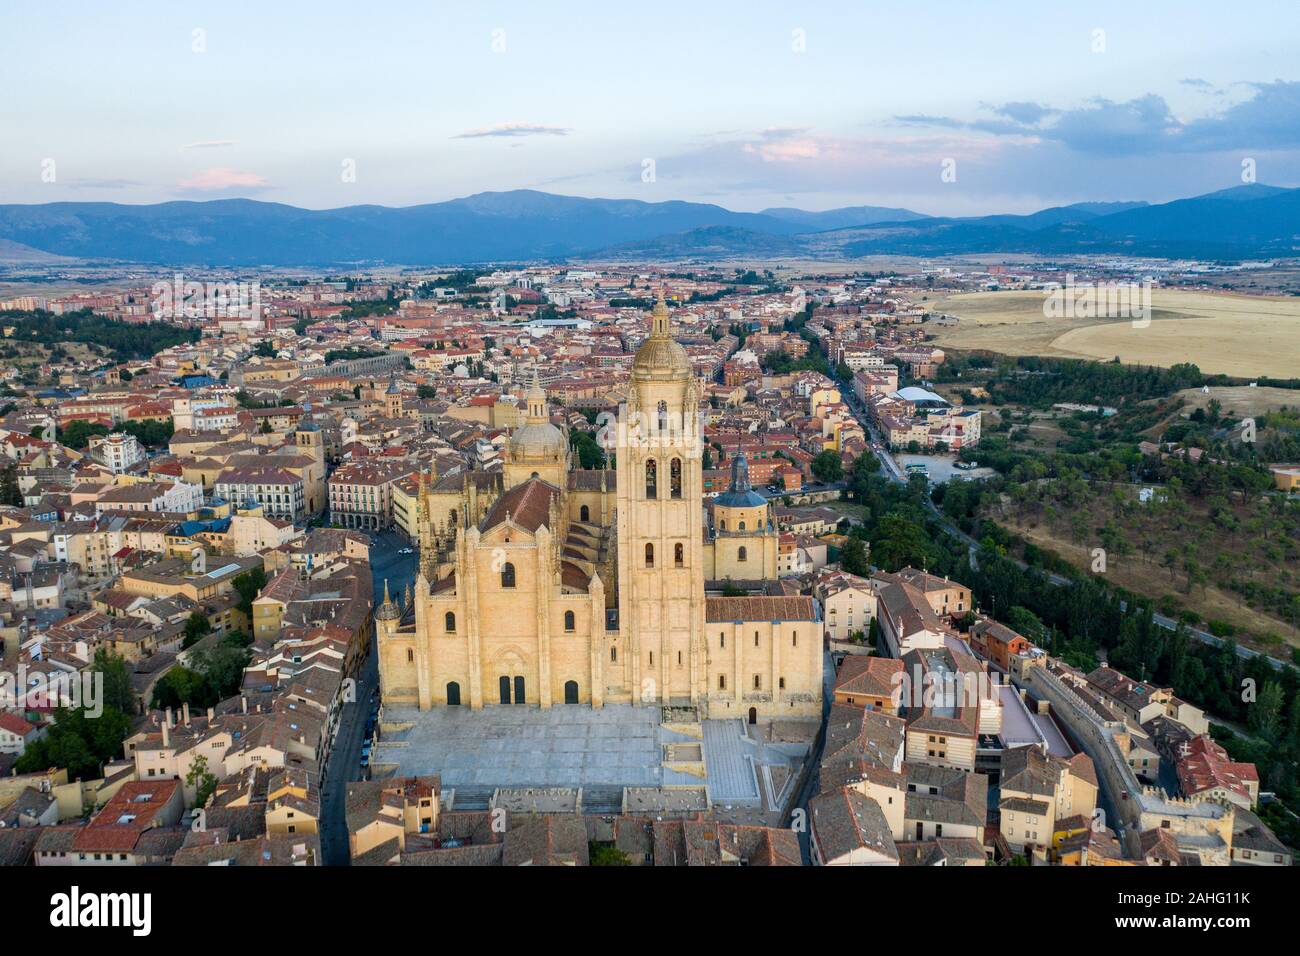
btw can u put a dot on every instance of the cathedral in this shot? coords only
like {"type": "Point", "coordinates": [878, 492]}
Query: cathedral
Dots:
{"type": "Point", "coordinates": [546, 584]}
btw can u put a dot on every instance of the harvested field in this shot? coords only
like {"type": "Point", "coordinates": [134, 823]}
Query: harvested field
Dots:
{"type": "Point", "coordinates": [1230, 334]}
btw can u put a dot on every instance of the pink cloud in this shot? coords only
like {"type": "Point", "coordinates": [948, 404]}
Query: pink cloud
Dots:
{"type": "Point", "coordinates": [222, 177]}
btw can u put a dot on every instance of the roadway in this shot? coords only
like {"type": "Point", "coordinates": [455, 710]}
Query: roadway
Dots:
{"type": "Point", "coordinates": [344, 762]}
{"type": "Point", "coordinates": [895, 473]}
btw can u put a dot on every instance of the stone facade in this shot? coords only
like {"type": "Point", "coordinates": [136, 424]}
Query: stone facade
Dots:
{"type": "Point", "coordinates": [548, 585]}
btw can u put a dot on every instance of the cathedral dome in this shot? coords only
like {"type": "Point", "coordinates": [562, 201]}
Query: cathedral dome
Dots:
{"type": "Point", "coordinates": [660, 358]}
{"type": "Point", "coordinates": [741, 494]}
{"type": "Point", "coordinates": [537, 442]}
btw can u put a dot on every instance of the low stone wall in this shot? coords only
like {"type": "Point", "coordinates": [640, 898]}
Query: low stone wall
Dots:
{"type": "Point", "coordinates": [1118, 782]}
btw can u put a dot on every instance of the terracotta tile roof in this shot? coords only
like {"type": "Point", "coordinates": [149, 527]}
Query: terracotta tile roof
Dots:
{"type": "Point", "coordinates": [726, 609]}
{"type": "Point", "coordinates": [528, 505]}
{"type": "Point", "coordinates": [869, 675]}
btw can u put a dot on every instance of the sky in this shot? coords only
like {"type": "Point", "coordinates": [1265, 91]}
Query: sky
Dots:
{"type": "Point", "coordinates": [960, 108]}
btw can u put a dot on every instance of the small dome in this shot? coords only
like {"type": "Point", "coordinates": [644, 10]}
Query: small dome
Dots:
{"type": "Point", "coordinates": [537, 442]}
{"type": "Point", "coordinates": [741, 494]}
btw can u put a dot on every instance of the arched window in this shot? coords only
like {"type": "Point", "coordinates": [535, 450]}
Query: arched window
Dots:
{"type": "Point", "coordinates": [584, 514]}
{"type": "Point", "coordinates": [569, 624]}
{"type": "Point", "coordinates": [449, 622]}
{"type": "Point", "coordinates": [651, 479]}
{"type": "Point", "coordinates": [679, 557]}
{"type": "Point", "coordinates": [794, 638]}
{"type": "Point", "coordinates": [410, 656]}
{"type": "Point", "coordinates": [675, 478]}
{"type": "Point", "coordinates": [508, 575]}
{"type": "Point", "coordinates": [613, 655]}
{"type": "Point", "coordinates": [758, 682]}
{"type": "Point", "coordinates": [649, 555]}
{"type": "Point", "coordinates": [722, 682]}
{"type": "Point", "coordinates": [756, 638]}
{"type": "Point", "coordinates": [781, 684]}
{"type": "Point", "coordinates": [722, 642]}
{"type": "Point", "coordinates": [722, 524]}
{"type": "Point", "coordinates": [742, 526]}
{"type": "Point", "coordinates": [742, 554]}
{"type": "Point", "coordinates": [663, 416]}
{"type": "Point", "coordinates": [452, 515]}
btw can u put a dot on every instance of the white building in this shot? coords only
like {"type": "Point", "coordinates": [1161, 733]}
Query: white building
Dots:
{"type": "Point", "coordinates": [117, 450]}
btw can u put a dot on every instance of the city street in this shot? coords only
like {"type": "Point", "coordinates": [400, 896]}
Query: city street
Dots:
{"type": "Point", "coordinates": [345, 754]}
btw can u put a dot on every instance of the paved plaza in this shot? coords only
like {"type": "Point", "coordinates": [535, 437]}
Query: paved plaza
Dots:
{"type": "Point", "coordinates": [503, 746]}
{"type": "Point", "coordinates": [575, 746]}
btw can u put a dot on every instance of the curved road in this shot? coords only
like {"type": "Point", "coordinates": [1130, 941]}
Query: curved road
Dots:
{"type": "Point", "coordinates": [896, 474]}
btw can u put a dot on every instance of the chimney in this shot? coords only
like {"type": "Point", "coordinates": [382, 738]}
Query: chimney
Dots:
{"type": "Point", "coordinates": [243, 703]}
{"type": "Point", "coordinates": [168, 721]}
{"type": "Point", "coordinates": [167, 734]}
{"type": "Point", "coordinates": [185, 711]}
{"type": "Point", "coordinates": [212, 713]}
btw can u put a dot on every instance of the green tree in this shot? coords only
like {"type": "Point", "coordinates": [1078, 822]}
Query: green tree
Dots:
{"type": "Point", "coordinates": [606, 854]}
{"type": "Point", "coordinates": [901, 541]}
{"type": "Point", "coordinates": [853, 557]}
{"type": "Point", "coordinates": [1265, 716]}
{"type": "Point", "coordinates": [827, 467]}
{"type": "Point", "coordinates": [201, 779]}
{"type": "Point", "coordinates": [196, 626]}
{"type": "Point", "coordinates": [10, 494]}
{"type": "Point", "coordinates": [249, 585]}
{"type": "Point", "coordinates": [118, 694]}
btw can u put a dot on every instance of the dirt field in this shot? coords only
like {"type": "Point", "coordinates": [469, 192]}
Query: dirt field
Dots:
{"type": "Point", "coordinates": [1242, 401]}
{"type": "Point", "coordinates": [1231, 334]}
{"type": "Point", "coordinates": [1150, 579]}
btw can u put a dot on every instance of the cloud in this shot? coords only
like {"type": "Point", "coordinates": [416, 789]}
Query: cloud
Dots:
{"type": "Point", "coordinates": [217, 178]}
{"type": "Point", "coordinates": [1024, 112]}
{"type": "Point", "coordinates": [211, 144]}
{"type": "Point", "coordinates": [806, 161]}
{"type": "Point", "coordinates": [1145, 125]}
{"type": "Point", "coordinates": [80, 183]}
{"type": "Point", "coordinates": [513, 129]}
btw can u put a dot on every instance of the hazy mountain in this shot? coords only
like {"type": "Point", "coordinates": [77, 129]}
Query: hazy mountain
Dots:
{"type": "Point", "coordinates": [1239, 223]}
{"type": "Point", "coordinates": [524, 225]}
{"type": "Point", "coordinates": [709, 242]}
{"type": "Point", "coordinates": [488, 226]}
{"type": "Point", "coordinates": [839, 218]}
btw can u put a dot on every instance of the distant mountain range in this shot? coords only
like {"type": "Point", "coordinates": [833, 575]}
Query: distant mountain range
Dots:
{"type": "Point", "coordinates": [525, 225]}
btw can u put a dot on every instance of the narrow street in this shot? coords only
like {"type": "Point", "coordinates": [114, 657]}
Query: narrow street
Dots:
{"type": "Point", "coordinates": [344, 764]}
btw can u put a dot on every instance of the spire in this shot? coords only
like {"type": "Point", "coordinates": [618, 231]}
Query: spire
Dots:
{"type": "Point", "coordinates": [660, 326]}
{"type": "Point", "coordinates": [537, 414]}
{"type": "Point", "coordinates": [388, 610]}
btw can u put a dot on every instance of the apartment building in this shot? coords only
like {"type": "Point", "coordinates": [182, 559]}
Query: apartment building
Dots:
{"type": "Point", "coordinates": [361, 493]}
{"type": "Point", "coordinates": [119, 451]}
{"type": "Point", "coordinates": [278, 492]}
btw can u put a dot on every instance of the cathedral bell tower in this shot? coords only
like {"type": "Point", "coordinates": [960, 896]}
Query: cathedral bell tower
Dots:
{"type": "Point", "coordinates": [660, 525]}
